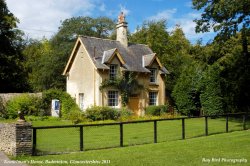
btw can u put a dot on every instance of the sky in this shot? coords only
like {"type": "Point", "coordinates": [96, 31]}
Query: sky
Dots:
{"type": "Point", "coordinates": [41, 18]}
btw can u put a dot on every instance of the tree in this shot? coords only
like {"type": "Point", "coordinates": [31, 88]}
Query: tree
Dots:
{"type": "Point", "coordinates": [225, 17]}
{"type": "Point", "coordinates": [211, 97]}
{"type": "Point", "coordinates": [154, 34]}
{"type": "Point", "coordinates": [176, 56]}
{"type": "Point", "coordinates": [187, 89]}
{"type": "Point", "coordinates": [12, 73]}
{"type": "Point", "coordinates": [38, 63]}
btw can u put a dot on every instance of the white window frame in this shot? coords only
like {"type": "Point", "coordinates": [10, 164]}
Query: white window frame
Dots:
{"type": "Point", "coordinates": [153, 75]}
{"type": "Point", "coordinates": [81, 101]}
{"type": "Point", "coordinates": [113, 96]}
{"type": "Point", "coordinates": [113, 71]}
{"type": "Point", "coordinates": [153, 96]}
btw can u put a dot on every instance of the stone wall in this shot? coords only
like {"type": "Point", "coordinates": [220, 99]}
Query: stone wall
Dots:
{"type": "Point", "coordinates": [8, 96]}
{"type": "Point", "coordinates": [16, 138]}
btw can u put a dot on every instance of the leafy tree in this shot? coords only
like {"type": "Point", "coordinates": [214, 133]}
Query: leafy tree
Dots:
{"type": "Point", "coordinates": [225, 17]}
{"type": "Point", "coordinates": [176, 56]}
{"type": "Point", "coordinates": [211, 96]}
{"type": "Point", "coordinates": [39, 61]}
{"type": "Point", "coordinates": [12, 73]}
{"type": "Point", "coordinates": [187, 89]}
{"type": "Point", "coordinates": [154, 34]}
{"type": "Point", "coordinates": [103, 27]}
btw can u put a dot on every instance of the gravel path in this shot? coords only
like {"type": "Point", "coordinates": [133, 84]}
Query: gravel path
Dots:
{"type": "Point", "coordinates": [5, 161]}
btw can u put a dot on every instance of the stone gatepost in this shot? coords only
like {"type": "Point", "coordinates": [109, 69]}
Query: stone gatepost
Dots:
{"type": "Point", "coordinates": [16, 138]}
{"type": "Point", "coordinates": [23, 138]}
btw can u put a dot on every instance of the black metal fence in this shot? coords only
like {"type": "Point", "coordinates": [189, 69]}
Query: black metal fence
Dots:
{"type": "Point", "coordinates": [70, 138]}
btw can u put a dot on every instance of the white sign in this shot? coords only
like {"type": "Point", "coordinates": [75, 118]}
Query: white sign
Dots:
{"type": "Point", "coordinates": [55, 110]}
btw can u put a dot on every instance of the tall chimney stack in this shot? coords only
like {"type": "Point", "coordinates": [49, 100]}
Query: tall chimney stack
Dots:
{"type": "Point", "coordinates": [121, 30]}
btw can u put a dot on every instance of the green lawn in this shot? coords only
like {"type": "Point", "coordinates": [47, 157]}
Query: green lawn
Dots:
{"type": "Point", "coordinates": [68, 139]}
{"type": "Point", "coordinates": [194, 152]}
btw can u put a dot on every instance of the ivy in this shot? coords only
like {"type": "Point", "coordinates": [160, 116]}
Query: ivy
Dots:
{"type": "Point", "coordinates": [127, 84]}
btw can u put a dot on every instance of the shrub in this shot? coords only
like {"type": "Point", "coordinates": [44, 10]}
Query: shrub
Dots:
{"type": "Point", "coordinates": [102, 113]}
{"type": "Point", "coordinates": [125, 114]}
{"type": "Point", "coordinates": [27, 104]}
{"type": "Point", "coordinates": [76, 117]}
{"type": "Point", "coordinates": [67, 102]}
{"type": "Point", "coordinates": [156, 110]}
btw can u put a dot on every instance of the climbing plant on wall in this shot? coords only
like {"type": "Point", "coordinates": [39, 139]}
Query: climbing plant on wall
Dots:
{"type": "Point", "coordinates": [127, 84]}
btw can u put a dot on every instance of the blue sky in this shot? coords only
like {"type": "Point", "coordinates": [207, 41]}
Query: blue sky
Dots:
{"type": "Point", "coordinates": [41, 18]}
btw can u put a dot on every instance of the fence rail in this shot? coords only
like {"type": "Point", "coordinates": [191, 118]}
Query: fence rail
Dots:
{"type": "Point", "coordinates": [83, 134]}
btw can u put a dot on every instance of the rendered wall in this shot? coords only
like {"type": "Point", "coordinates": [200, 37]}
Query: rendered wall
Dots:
{"type": "Point", "coordinates": [81, 78]}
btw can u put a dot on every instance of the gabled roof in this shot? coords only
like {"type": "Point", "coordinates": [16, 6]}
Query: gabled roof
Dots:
{"type": "Point", "coordinates": [110, 54]}
{"type": "Point", "coordinates": [147, 60]}
{"type": "Point", "coordinates": [102, 51]}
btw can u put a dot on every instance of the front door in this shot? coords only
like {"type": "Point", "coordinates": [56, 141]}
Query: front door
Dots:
{"type": "Point", "coordinates": [133, 105]}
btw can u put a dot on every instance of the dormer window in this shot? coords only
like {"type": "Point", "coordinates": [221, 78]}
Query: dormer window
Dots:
{"type": "Point", "coordinates": [112, 72]}
{"type": "Point", "coordinates": [153, 75]}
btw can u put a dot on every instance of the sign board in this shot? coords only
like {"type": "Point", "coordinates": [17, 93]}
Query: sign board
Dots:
{"type": "Point", "coordinates": [55, 108]}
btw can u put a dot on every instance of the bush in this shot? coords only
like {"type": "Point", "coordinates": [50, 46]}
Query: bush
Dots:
{"type": "Point", "coordinates": [156, 110]}
{"type": "Point", "coordinates": [102, 113]}
{"type": "Point", "coordinates": [27, 104]}
{"type": "Point", "coordinates": [67, 103]}
{"type": "Point", "coordinates": [76, 117]}
{"type": "Point", "coordinates": [125, 114]}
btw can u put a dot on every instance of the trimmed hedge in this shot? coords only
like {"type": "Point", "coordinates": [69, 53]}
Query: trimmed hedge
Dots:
{"type": "Point", "coordinates": [156, 110]}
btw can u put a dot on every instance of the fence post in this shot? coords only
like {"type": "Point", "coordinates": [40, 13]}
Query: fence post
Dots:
{"type": "Point", "coordinates": [81, 138]}
{"type": "Point", "coordinates": [34, 142]}
{"type": "Point", "coordinates": [206, 126]}
{"type": "Point", "coordinates": [121, 134]}
{"type": "Point", "coordinates": [227, 123]}
{"type": "Point", "coordinates": [155, 131]}
{"type": "Point", "coordinates": [183, 128]}
{"type": "Point", "coordinates": [244, 122]}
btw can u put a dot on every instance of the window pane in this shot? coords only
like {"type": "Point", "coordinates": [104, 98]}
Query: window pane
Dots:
{"type": "Point", "coordinates": [81, 100]}
{"type": "Point", "coordinates": [113, 98]}
{"type": "Point", "coordinates": [153, 75]}
{"type": "Point", "coordinates": [112, 71]}
{"type": "Point", "coordinates": [152, 98]}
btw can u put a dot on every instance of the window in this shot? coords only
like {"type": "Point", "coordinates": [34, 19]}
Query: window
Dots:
{"type": "Point", "coordinates": [112, 72]}
{"type": "Point", "coordinates": [112, 98]}
{"type": "Point", "coordinates": [152, 98]}
{"type": "Point", "coordinates": [81, 101]}
{"type": "Point", "coordinates": [153, 75]}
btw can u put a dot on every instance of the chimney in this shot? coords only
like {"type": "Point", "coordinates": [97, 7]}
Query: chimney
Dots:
{"type": "Point", "coordinates": [121, 30]}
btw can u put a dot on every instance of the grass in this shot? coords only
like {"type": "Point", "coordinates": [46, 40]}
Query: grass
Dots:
{"type": "Point", "coordinates": [193, 152]}
{"type": "Point", "coordinates": [68, 139]}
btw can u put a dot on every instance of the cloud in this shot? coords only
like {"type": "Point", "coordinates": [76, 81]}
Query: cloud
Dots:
{"type": "Point", "coordinates": [185, 21]}
{"type": "Point", "coordinates": [42, 18]}
{"type": "Point", "coordinates": [166, 14]}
